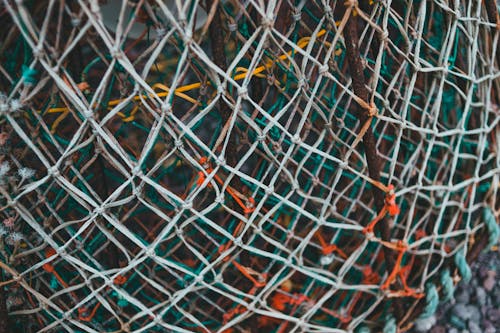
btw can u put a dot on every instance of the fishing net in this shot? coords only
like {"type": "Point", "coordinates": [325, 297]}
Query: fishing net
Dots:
{"type": "Point", "coordinates": [235, 166]}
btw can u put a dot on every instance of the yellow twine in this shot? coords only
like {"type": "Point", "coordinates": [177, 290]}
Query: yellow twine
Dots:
{"type": "Point", "coordinates": [180, 91]}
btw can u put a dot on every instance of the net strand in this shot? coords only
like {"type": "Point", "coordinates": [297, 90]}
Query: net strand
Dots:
{"type": "Point", "coordinates": [227, 166]}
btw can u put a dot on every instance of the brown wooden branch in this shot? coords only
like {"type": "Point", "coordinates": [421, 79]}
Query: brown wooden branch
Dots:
{"type": "Point", "coordinates": [491, 10]}
{"type": "Point", "coordinates": [493, 17]}
{"type": "Point", "coordinates": [369, 143]}
{"type": "Point", "coordinates": [216, 34]}
{"type": "Point", "coordinates": [356, 69]}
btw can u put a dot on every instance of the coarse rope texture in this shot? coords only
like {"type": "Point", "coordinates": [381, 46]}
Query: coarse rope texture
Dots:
{"type": "Point", "coordinates": [243, 165]}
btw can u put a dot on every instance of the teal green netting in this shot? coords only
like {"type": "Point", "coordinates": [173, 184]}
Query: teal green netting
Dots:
{"type": "Point", "coordinates": [203, 166]}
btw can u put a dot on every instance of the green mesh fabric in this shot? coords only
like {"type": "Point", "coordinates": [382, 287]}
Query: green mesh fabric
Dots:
{"type": "Point", "coordinates": [236, 166]}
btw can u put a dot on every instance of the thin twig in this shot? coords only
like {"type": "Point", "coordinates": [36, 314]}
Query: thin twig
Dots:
{"type": "Point", "coordinates": [216, 33]}
{"type": "Point", "coordinates": [369, 142]}
{"type": "Point", "coordinates": [374, 162]}
{"type": "Point", "coordinates": [493, 17]}
{"type": "Point", "coordinates": [491, 10]}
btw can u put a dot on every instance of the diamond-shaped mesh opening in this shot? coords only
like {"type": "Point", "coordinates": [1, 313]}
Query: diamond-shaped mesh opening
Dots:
{"type": "Point", "coordinates": [179, 166]}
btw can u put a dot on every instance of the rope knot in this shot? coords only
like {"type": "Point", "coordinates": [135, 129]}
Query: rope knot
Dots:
{"type": "Point", "coordinates": [372, 110]}
{"type": "Point", "coordinates": [390, 202]}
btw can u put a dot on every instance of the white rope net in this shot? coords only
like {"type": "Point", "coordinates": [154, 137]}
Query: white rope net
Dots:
{"type": "Point", "coordinates": [232, 166]}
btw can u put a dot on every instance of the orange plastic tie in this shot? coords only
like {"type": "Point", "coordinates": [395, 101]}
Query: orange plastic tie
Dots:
{"type": "Point", "coordinates": [265, 321]}
{"type": "Point", "coordinates": [390, 202]}
{"type": "Point", "coordinates": [328, 249]}
{"type": "Point", "coordinates": [279, 301]}
{"type": "Point", "coordinates": [299, 299]}
{"type": "Point", "coordinates": [120, 280]}
{"type": "Point", "coordinates": [344, 318]}
{"type": "Point", "coordinates": [201, 178]}
{"type": "Point", "coordinates": [83, 86]}
{"type": "Point", "coordinates": [236, 198]}
{"type": "Point", "coordinates": [390, 207]}
{"type": "Point", "coordinates": [229, 315]}
{"type": "Point", "coordinates": [48, 268]}
{"type": "Point", "coordinates": [223, 248]}
{"type": "Point", "coordinates": [369, 228]}
{"type": "Point", "coordinates": [49, 252]}
{"type": "Point", "coordinates": [204, 162]}
{"type": "Point", "coordinates": [249, 206]}
{"type": "Point", "coordinates": [369, 276]}
{"type": "Point", "coordinates": [60, 279]}
{"type": "Point", "coordinates": [397, 267]}
{"type": "Point", "coordinates": [83, 310]}
{"type": "Point", "coordinates": [246, 272]}
{"type": "Point", "coordinates": [420, 233]}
